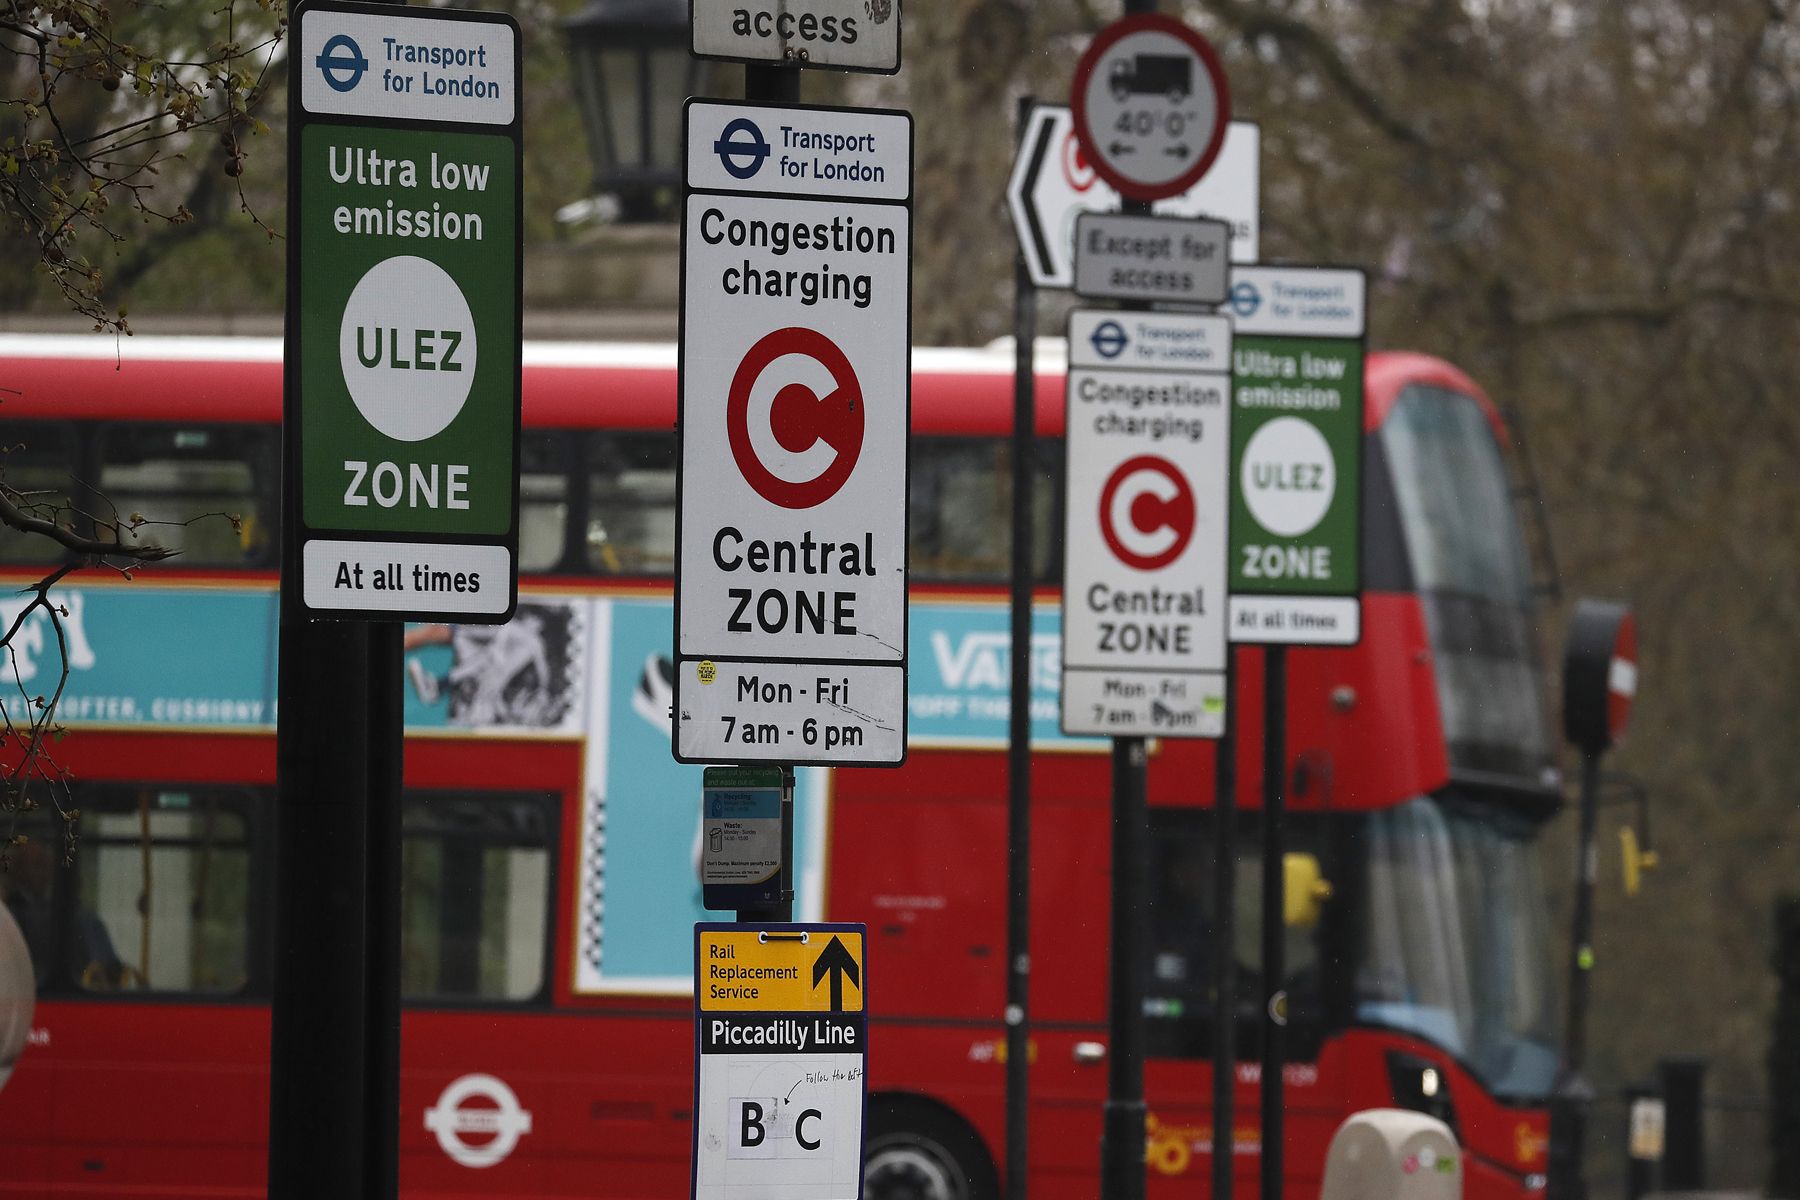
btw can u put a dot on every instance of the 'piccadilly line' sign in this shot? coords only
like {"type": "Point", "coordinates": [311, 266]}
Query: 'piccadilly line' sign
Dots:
{"type": "Point", "coordinates": [404, 290]}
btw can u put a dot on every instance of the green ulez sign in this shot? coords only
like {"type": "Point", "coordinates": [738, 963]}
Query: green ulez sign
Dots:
{"type": "Point", "coordinates": [408, 363]}
{"type": "Point", "coordinates": [402, 378]}
{"type": "Point", "coordinates": [1296, 452]}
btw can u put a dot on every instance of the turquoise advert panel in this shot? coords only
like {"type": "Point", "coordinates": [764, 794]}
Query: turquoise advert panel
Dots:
{"type": "Point", "coordinates": [596, 669]}
{"type": "Point", "coordinates": [141, 655]}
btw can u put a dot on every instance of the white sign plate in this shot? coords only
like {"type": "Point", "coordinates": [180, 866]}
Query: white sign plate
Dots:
{"type": "Point", "coordinates": [1298, 301]}
{"type": "Point", "coordinates": [1173, 260]}
{"type": "Point", "coordinates": [1153, 341]}
{"type": "Point", "coordinates": [780, 1061]}
{"type": "Point", "coordinates": [795, 412]}
{"type": "Point", "coordinates": [433, 69]}
{"type": "Point", "coordinates": [1053, 183]}
{"type": "Point", "coordinates": [1144, 537]}
{"type": "Point", "coordinates": [850, 35]}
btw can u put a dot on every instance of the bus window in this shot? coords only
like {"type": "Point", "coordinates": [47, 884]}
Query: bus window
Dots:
{"type": "Point", "coordinates": [1178, 968]}
{"type": "Point", "coordinates": [1470, 565]}
{"type": "Point", "coordinates": [28, 881]}
{"type": "Point", "coordinates": [191, 481]}
{"type": "Point", "coordinates": [961, 506]}
{"type": "Point", "coordinates": [631, 504]}
{"type": "Point", "coordinates": [162, 892]}
{"type": "Point", "coordinates": [37, 463]}
{"type": "Point", "coordinates": [543, 501]}
{"type": "Point", "coordinates": [1455, 935]}
{"type": "Point", "coordinates": [475, 904]}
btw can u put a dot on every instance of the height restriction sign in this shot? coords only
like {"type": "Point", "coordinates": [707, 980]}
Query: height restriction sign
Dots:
{"type": "Point", "coordinates": [790, 583]}
{"type": "Point", "coordinates": [1150, 105]}
{"type": "Point", "coordinates": [1144, 525]}
{"type": "Point", "coordinates": [402, 376]}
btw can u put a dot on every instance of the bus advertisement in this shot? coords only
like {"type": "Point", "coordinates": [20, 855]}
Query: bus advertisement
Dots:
{"type": "Point", "coordinates": [551, 840]}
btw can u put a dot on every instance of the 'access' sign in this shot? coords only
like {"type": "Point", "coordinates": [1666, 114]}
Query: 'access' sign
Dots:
{"type": "Point", "coordinates": [790, 585]}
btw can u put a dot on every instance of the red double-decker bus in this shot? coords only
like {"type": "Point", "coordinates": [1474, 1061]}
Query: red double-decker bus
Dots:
{"type": "Point", "coordinates": [550, 839]}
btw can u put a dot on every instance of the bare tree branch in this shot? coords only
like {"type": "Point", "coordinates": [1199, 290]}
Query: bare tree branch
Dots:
{"type": "Point", "coordinates": [1256, 21]}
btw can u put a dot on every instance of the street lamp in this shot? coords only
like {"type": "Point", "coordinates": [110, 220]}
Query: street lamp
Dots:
{"type": "Point", "coordinates": [632, 71]}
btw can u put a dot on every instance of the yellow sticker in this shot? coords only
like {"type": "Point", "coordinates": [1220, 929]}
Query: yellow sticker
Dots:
{"type": "Point", "coordinates": [750, 971]}
{"type": "Point", "coordinates": [706, 671]}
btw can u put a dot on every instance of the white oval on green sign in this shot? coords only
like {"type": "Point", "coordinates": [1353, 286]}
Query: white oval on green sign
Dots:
{"type": "Point", "coordinates": [407, 348]}
{"type": "Point", "coordinates": [1288, 476]}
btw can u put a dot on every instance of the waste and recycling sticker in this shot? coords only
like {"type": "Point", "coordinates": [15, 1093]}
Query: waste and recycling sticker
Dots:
{"type": "Point", "coordinates": [780, 1061]}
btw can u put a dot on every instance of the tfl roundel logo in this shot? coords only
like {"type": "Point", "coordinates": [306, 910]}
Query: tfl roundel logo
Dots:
{"type": "Point", "coordinates": [341, 62]}
{"type": "Point", "coordinates": [478, 1121]}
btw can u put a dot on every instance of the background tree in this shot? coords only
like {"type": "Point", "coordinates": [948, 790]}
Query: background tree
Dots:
{"type": "Point", "coordinates": [118, 115]}
{"type": "Point", "coordinates": [1593, 209]}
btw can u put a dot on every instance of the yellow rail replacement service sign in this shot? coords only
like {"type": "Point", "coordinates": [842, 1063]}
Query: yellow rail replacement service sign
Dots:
{"type": "Point", "coordinates": [759, 970]}
{"type": "Point", "coordinates": [780, 1061]}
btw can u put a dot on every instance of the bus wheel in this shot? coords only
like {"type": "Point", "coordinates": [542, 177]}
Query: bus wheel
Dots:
{"type": "Point", "coordinates": [918, 1151]}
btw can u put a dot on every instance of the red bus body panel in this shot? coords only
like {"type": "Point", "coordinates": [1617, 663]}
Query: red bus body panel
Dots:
{"type": "Point", "coordinates": [153, 1099]}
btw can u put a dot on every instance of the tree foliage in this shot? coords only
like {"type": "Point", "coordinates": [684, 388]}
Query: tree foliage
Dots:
{"type": "Point", "coordinates": [116, 114]}
{"type": "Point", "coordinates": [1593, 209]}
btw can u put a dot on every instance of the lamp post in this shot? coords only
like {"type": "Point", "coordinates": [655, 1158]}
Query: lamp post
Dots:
{"type": "Point", "coordinates": [632, 70]}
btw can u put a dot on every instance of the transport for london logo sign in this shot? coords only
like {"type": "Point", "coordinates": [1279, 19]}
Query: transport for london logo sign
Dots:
{"type": "Point", "coordinates": [480, 1134]}
{"type": "Point", "coordinates": [342, 63]}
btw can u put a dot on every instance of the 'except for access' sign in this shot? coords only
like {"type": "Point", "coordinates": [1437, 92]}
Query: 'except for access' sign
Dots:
{"type": "Point", "coordinates": [848, 35]}
{"type": "Point", "coordinates": [780, 1061]}
{"type": "Point", "coordinates": [404, 285]}
{"type": "Point", "coordinates": [1053, 183]}
{"type": "Point", "coordinates": [1144, 528]}
{"type": "Point", "coordinates": [1297, 435]}
{"type": "Point", "coordinates": [790, 584]}
{"type": "Point", "coordinates": [1151, 105]}
{"type": "Point", "coordinates": [1174, 260]}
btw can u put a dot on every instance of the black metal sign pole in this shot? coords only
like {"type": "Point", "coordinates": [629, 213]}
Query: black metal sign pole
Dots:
{"type": "Point", "coordinates": [1018, 759]}
{"type": "Point", "coordinates": [1122, 1146]}
{"type": "Point", "coordinates": [1224, 943]}
{"type": "Point", "coordinates": [776, 85]}
{"type": "Point", "coordinates": [1274, 923]}
{"type": "Point", "coordinates": [318, 1046]}
{"type": "Point", "coordinates": [382, 904]}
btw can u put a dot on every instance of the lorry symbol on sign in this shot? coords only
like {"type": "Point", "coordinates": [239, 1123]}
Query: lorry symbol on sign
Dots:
{"type": "Point", "coordinates": [817, 436]}
{"type": "Point", "coordinates": [1170, 75]}
{"type": "Point", "coordinates": [342, 54]}
{"type": "Point", "coordinates": [741, 148]}
{"type": "Point", "coordinates": [1147, 513]}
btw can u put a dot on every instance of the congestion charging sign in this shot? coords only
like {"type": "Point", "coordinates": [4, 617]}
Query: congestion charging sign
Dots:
{"type": "Point", "coordinates": [404, 285]}
{"type": "Point", "coordinates": [1296, 454]}
{"type": "Point", "coordinates": [790, 584]}
{"type": "Point", "coordinates": [1144, 526]}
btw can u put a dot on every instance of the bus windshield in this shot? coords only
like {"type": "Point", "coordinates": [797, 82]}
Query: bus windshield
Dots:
{"type": "Point", "coordinates": [1473, 576]}
{"type": "Point", "coordinates": [1456, 939]}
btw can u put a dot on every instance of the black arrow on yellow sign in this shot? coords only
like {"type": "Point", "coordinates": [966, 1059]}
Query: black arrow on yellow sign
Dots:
{"type": "Point", "coordinates": [837, 961]}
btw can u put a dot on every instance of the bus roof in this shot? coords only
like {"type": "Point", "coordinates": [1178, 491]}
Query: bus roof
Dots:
{"type": "Point", "coordinates": [955, 391]}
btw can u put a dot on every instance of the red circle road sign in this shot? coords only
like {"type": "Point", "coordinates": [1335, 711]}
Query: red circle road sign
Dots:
{"type": "Point", "coordinates": [798, 418]}
{"type": "Point", "coordinates": [1148, 512]}
{"type": "Point", "coordinates": [1621, 677]}
{"type": "Point", "coordinates": [1151, 106]}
